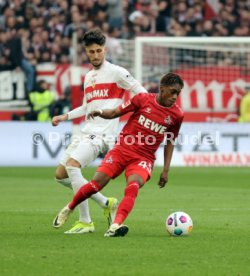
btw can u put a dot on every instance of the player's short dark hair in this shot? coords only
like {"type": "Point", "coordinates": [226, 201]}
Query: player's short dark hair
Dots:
{"type": "Point", "coordinates": [94, 36]}
{"type": "Point", "coordinates": [171, 79]}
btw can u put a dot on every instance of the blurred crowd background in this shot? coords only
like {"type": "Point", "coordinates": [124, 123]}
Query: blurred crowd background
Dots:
{"type": "Point", "coordinates": [37, 31]}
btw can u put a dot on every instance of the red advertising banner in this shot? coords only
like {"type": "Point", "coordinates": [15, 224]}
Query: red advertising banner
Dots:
{"type": "Point", "coordinates": [212, 93]}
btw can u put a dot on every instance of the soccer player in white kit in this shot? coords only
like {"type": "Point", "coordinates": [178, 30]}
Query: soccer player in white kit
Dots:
{"type": "Point", "coordinates": [104, 87]}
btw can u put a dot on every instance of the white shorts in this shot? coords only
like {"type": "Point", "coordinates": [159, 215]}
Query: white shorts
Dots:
{"type": "Point", "coordinates": [84, 150]}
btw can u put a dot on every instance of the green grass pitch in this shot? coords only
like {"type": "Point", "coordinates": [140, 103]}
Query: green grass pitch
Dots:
{"type": "Point", "coordinates": [217, 199]}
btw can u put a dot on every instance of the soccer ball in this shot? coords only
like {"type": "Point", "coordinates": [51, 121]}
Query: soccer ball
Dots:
{"type": "Point", "coordinates": [179, 224]}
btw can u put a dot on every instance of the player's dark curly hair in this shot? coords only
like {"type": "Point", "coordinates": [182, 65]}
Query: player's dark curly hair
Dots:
{"type": "Point", "coordinates": [94, 36]}
{"type": "Point", "coordinates": [171, 79]}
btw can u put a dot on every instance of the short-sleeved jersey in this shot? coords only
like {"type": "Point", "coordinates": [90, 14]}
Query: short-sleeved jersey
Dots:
{"type": "Point", "coordinates": [148, 125]}
{"type": "Point", "coordinates": [104, 88]}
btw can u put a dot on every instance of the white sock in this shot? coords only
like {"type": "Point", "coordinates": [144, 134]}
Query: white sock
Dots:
{"type": "Point", "coordinates": [65, 182]}
{"type": "Point", "coordinates": [99, 198]}
{"type": "Point", "coordinates": [77, 181]}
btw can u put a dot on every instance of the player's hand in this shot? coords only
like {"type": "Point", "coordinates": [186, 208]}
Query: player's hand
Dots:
{"type": "Point", "coordinates": [57, 119]}
{"type": "Point", "coordinates": [93, 114]}
{"type": "Point", "coordinates": [163, 179]}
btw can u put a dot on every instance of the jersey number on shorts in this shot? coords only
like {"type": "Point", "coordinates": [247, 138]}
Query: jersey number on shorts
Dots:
{"type": "Point", "coordinates": [146, 165]}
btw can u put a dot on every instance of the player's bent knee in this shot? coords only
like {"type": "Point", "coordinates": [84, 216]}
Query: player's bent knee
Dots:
{"type": "Point", "coordinates": [136, 178]}
{"type": "Point", "coordinates": [73, 163]}
{"type": "Point", "coordinates": [101, 178]}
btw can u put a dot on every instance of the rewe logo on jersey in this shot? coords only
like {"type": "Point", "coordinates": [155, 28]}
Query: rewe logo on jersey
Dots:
{"type": "Point", "coordinates": [101, 93]}
{"type": "Point", "coordinates": [147, 123]}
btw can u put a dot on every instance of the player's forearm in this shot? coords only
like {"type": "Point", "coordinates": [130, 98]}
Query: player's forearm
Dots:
{"type": "Point", "coordinates": [109, 114]}
{"type": "Point", "coordinates": [106, 113]}
{"type": "Point", "coordinates": [168, 152]}
{"type": "Point", "coordinates": [76, 113]}
{"type": "Point", "coordinates": [56, 120]}
{"type": "Point", "coordinates": [64, 117]}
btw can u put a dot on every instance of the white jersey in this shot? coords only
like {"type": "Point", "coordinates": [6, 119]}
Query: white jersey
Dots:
{"type": "Point", "coordinates": [104, 89]}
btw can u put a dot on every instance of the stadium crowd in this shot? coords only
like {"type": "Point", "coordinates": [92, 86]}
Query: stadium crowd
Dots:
{"type": "Point", "coordinates": [44, 27]}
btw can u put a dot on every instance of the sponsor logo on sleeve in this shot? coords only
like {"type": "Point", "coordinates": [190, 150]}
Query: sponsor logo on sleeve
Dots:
{"type": "Point", "coordinates": [127, 103]}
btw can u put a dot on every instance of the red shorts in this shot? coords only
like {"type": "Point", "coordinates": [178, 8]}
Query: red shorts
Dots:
{"type": "Point", "coordinates": [119, 159]}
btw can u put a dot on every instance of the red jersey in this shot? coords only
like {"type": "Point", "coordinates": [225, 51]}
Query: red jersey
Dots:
{"type": "Point", "coordinates": [148, 125]}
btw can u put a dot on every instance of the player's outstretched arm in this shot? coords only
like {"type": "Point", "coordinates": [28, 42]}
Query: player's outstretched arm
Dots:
{"type": "Point", "coordinates": [106, 113]}
{"type": "Point", "coordinates": [73, 114]}
{"type": "Point", "coordinates": [168, 152]}
{"type": "Point", "coordinates": [57, 119]}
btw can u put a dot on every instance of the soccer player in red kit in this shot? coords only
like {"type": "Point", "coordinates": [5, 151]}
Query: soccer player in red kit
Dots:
{"type": "Point", "coordinates": [155, 116]}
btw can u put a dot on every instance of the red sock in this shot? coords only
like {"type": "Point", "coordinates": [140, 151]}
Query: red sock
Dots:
{"type": "Point", "coordinates": [85, 192]}
{"type": "Point", "coordinates": [127, 203]}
